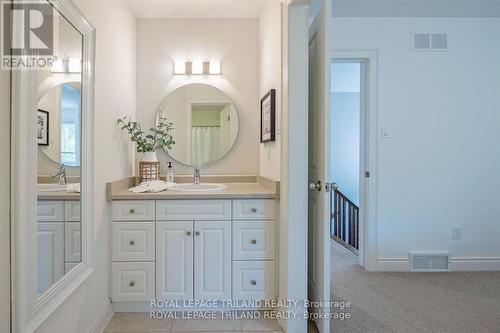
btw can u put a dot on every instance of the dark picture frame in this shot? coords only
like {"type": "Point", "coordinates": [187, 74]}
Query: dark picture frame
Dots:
{"type": "Point", "coordinates": [268, 117]}
{"type": "Point", "coordinates": [42, 124]}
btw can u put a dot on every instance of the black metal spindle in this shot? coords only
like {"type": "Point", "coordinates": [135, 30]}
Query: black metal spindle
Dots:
{"type": "Point", "coordinates": [344, 222]}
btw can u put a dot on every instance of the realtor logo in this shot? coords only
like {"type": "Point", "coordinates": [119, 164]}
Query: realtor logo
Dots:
{"type": "Point", "coordinates": [27, 36]}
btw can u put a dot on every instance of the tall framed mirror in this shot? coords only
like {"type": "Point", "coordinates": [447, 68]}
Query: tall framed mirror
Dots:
{"type": "Point", "coordinates": [53, 190]}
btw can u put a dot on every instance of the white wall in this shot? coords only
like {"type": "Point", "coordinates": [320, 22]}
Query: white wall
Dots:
{"type": "Point", "coordinates": [235, 42]}
{"type": "Point", "coordinates": [5, 201]}
{"type": "Point", "coordinates": [115, 96]}
{"type": "Point", "coordinates": [270, 34]}
{"type": "Point", "coordinates": [345, 126]}
{"type": "Point", "coordinates": [439, 168]}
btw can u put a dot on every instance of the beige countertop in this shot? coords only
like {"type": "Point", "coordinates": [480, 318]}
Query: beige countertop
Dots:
{"type": "Point", "coordinates": [249, 188]}
{"type": "Point", "coordinates": [57, 195]}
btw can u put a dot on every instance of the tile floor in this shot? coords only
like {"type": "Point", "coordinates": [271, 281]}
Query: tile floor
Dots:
{"type": "Point", "coordinates": [133, 322]}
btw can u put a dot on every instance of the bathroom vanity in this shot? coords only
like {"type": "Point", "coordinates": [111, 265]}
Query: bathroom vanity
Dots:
{"type": "Point", "coordinates": [183, 245]}
{"type": "Point", "coordinates": [58, 236]}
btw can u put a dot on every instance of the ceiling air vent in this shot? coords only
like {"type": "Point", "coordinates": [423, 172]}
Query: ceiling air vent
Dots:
{"type": "Point", "coordinates": [429, 262]}
{"type": "Point", "coordinates": [429, 42]}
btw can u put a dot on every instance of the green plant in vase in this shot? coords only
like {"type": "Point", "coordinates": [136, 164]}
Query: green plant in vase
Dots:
{"type": "Point", "coordinates": [147, 143]}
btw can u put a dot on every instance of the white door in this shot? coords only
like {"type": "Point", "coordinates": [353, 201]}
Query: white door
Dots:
{"type": "Point", "coordinates": [319, 197]}
{"type": "Point", "coordinates": [212, 270]}
{"type": "Point", "coordinates": [174, 260]}
{"type": "Point", "coordinates": [50, 265]}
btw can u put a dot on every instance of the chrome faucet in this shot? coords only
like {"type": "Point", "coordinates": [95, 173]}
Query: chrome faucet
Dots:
{"type": "Point", "coordinates": [61, 173]}
{"type": "Point", "coordinates": [196, 175]}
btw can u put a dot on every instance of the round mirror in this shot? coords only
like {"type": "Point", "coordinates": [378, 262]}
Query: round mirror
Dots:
{"type": "Point", "coordinates": [58, 124]}
{"type": "Point", "coordinates": [205, 123]}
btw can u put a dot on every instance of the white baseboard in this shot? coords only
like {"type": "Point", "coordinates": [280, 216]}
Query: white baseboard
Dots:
{"type": "Point", "coordinates": [475, 264]}
{"type": "Point", "coordinates": [457, 264]}
{"type": "Point", "coordinates": [392, 265]}
{"type": "Point", "coordinates": [99, 325]}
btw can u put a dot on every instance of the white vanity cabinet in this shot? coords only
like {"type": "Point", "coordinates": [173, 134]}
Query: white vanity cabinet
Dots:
{"type": "Point", "coordinates": [203, 249]}
{"type": "Point", "coordinates": [58, 240]}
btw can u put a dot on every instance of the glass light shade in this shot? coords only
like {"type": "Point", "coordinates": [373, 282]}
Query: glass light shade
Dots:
{"type": "Point", "coordinates": [214, 67]}
{"type": "Point", "coordinates": [75, 65]}
{"type": "Point", "coordinates": [197, 67]}
{"type": "Point", "coordinates": [180, 67]}
{"type": "Point", "coordinates": [57, 66]}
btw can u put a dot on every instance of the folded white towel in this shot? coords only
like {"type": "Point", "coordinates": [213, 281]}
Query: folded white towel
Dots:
{"type": "Point", "coordinates": [73, 188]}
{"type": "Point", "coordinates": [152, 187]}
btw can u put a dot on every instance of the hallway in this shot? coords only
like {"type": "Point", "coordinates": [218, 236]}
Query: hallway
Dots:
{"type": "Point", "coordinates": [413, 302]}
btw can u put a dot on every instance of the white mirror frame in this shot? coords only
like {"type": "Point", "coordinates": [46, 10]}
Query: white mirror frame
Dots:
{"type": "Point", "coordinates": [29, 311]}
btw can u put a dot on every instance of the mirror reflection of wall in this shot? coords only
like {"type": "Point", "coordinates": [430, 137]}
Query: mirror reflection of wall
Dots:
{"type": "Point", "coordinates": [206, 123]}
{"type": "Point", "coordinates": [59, 124]}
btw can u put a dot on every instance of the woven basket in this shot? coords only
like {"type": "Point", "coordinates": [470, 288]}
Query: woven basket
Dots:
{"type": "Point", "coordinates": [148, 171]}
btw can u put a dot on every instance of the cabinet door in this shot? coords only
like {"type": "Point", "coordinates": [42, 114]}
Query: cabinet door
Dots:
{"type": "Point", "coordinates": [212, 265]}
{"type": "Point", "coordinates": [72, 242]}
{"type": "Point", "coordinates": [174, 260]}
{"type": "Point", "coordinates": [50, 254]}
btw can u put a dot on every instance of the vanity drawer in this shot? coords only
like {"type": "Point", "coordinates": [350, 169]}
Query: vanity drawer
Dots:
{"type": "Point", "coordinates": [254, 280]}
{"type": "Point", "coordinates": [182, 210]}
{"type": "Point", "coordinates": [50, 211]}
{"type": "Point", "coordinates": [132, 281]}
{"type": "Point", "coordinates": [254, 240]}
{"type": "Point", "coordinates": [128, 210]}
{"type": "Point", "coordinates": [133, 241]}
{"type": "Point", "coordinates": [72, 211]}
{"type": "Point", "coordinates": [254, 209]}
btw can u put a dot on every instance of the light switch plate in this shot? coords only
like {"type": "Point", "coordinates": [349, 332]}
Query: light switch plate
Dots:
{"type": "Point", "coordinates": [384, 132]}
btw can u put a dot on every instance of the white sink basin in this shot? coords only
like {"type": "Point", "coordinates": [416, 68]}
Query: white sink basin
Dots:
{"type": "Point", "coordinates": [50, 187]}
{"type": "Point", "coordinates": [198, 187]}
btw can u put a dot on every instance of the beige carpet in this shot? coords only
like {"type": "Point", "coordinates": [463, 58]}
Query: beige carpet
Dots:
{"type": "Point", "coordinates": [466, 302]}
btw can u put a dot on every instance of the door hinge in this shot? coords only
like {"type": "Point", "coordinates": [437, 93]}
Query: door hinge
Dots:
{"type": "Point", "coordinates": [367, 174]}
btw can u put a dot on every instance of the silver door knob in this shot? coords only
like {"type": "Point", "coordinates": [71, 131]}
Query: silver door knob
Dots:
{"type": "Point", "coordinates": [315, 186]}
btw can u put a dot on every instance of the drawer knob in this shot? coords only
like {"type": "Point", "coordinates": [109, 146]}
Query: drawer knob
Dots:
{"type": "Point", "coordinates": [132, 283]}
{"type": "Point", "coordinates": [253, 241]}
{"type": "Point", "coordinates": [132, 243]}
{"type": "Point", "coordinates": [253, 210]}
{"type": "Point", "coordinates": [253, 283]}
{"type": "Point", "coordinates": [188, 233]}
{"type": "Point", "coordinates": [132, 211]}
{"type": "Point", "coordinates": [197, 233]}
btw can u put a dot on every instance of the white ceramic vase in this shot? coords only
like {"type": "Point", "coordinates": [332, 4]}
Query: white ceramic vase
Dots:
{"type": "Point", "coordinates": [147, 157]}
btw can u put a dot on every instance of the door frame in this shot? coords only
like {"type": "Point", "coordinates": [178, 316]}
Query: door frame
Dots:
{"type": "Point", "coordinates": [368, 160]}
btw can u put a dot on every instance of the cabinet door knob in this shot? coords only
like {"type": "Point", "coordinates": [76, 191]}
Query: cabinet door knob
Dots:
{"type": "Point", "coordinates": [197, 233]}
{"type": "Point", "coordinates": [253, 241]}
{"type": "Point", "coordinates": [253, 210]}
{"type": "Point", "coordinates": [132, 283]}
{"type": "Point", "coordinates": [132, 211]}
{"type": "Point", "coordinates": [132, 242]}
{"type": "Point", "coordinates": [253, 283]}
{"type": "Point", "coordinates": [188, 233]}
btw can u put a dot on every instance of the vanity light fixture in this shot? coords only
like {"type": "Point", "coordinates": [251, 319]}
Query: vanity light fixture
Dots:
{"type": "Point", "coordinates": [69, 65]}
{"type": "Point", "coordinates": [197, 67]}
